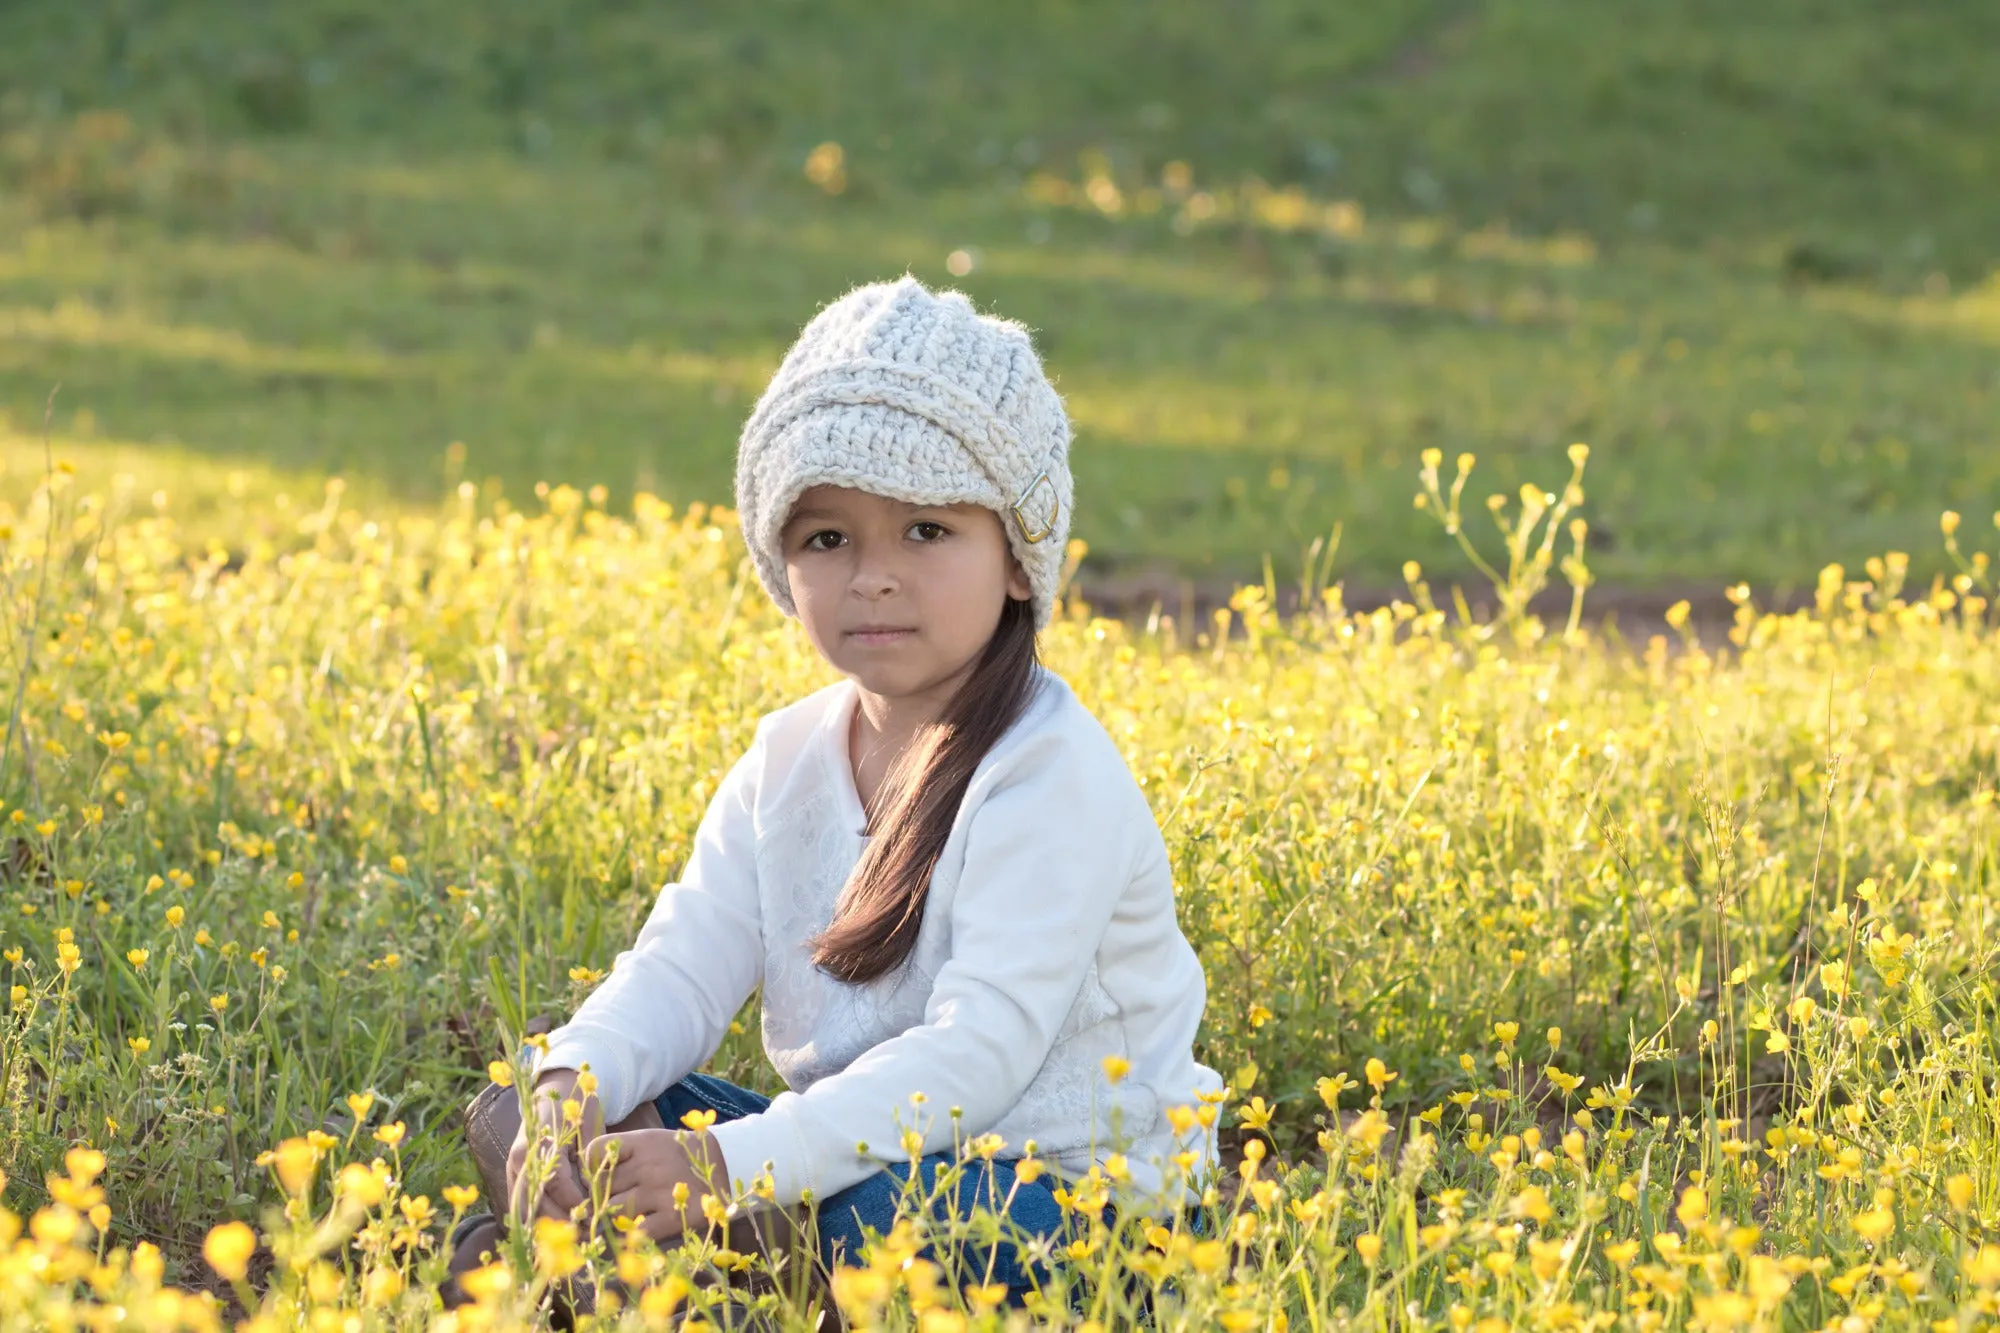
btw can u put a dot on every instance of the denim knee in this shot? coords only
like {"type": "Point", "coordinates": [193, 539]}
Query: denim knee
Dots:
{"type": "Point", "coordinates": [705, 1092]}
{"type": "Point", "coordinates": [845, 1219]}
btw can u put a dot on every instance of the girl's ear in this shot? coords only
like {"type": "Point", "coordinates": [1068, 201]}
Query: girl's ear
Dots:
{"type": "Point", "coordinates": [1018, 586]}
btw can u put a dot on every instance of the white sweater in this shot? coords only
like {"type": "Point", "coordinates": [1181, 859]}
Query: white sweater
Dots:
{"type": "Point", "coordinates": [1049, 942]}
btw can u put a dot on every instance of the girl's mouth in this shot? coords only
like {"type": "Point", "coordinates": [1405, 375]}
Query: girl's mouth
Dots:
{"type": "Point", "coordinates": [879, 636]}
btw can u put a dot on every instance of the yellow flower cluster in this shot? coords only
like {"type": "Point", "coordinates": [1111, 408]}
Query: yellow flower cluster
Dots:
{"type": "Point", "coordinates": [1562, 981]}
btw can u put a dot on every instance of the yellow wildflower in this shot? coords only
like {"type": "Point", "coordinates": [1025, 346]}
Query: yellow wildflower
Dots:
{"type": "Point", "coordinates": [228, 1249]}
{"type": "Point", "coordinates": [1874, 1224]}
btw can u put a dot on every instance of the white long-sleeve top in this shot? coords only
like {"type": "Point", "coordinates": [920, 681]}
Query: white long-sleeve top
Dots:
{"type": "Point", "coordinates": [1049, 942]}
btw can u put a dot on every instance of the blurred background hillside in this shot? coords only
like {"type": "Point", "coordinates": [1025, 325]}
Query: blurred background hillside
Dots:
{"type": "Point", "coordinates": [1272, 252]}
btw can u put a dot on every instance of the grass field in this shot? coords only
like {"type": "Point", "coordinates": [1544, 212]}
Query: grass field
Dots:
{"type": "Point", "coordinates": [1271, 257]}
{"type": "Point", "coordinates": [1562, 981]}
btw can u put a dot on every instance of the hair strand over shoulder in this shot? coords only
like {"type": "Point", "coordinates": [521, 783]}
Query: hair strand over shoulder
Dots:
{"type": "Point", "coordinates": [875, 925]}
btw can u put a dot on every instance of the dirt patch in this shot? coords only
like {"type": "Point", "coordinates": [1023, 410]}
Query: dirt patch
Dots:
{"type": "Point", "coordinates": [1634, 614]}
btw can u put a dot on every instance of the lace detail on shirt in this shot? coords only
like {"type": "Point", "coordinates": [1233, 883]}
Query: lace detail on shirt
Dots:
{"type": "Point", "coordinates": [816, 1026]}
{"type": "Point", "coordinates": [1069, 1089]}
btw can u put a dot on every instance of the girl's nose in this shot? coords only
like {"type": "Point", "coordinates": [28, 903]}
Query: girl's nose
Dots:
{"type": "Point", "coordinates": [874, 581]}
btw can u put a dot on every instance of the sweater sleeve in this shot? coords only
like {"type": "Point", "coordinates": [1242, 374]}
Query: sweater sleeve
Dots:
{"type": "Point", "coordinates": [670, 997]}
{"type": "Point", "coordinates": [1047, 857]}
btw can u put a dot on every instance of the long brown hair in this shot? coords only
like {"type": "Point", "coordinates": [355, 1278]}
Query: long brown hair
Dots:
{"type": "Point", "coordinates": [881, 909]}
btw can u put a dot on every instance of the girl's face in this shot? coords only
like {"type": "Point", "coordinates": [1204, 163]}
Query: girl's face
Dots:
{"type": "Point", "coordinates": [900, 597]}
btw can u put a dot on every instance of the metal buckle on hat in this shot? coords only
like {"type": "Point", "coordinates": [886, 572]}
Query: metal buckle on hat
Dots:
{"type": "Point", "coordinates": [1028, 533]}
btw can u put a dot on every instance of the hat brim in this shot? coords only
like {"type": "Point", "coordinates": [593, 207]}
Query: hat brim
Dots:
{"type": "Point", "coordinates": [830, 447]}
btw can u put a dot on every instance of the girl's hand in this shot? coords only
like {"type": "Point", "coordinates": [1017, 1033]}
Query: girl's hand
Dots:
{"type": "Point", "coordinates": [661, 1176]}
{"type": "Point", "coordinates": [536, 1141]}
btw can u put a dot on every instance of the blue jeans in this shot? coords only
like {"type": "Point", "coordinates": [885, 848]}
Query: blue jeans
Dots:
{"type": "Point", "coordinates": [844, 1218]}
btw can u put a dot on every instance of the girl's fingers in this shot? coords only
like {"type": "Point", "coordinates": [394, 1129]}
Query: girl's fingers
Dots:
{"type": "Point", "coordinates": [600, 1148]}
{"type": "Point", "coordinates": [644, 1157]}
{"type": "Point", "coordinates": [657, 1216]}
{"type": "Point", "coordinates": [628, 1203]}
{"type": "Point", "coordinates": [564, 1190]}
{"type": "Point", "coordinates": [627, 1172]}
{"type": "Point", "coordinates": [631, 1175]}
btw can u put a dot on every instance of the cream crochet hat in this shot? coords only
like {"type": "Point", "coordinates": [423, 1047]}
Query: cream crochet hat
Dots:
{"type": "Point", "coordinates": [912, 394]}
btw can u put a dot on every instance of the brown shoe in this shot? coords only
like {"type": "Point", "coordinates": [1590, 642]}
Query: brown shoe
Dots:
{"type": "Point", "coordinates": [474, 1244]}
{"type": "Point", "coordinates": [492, 1122]}
{"type": "Point", "coordinates": [790, 1267]}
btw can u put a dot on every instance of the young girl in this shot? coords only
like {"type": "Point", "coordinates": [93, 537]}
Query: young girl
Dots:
{"type": "Point", "coordinates": [939, 870]}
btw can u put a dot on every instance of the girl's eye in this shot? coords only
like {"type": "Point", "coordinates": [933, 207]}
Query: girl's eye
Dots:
{"type": "Point", "coordinates": [927, 531]}
{"type": "Point", "coordinates": [826, 539]}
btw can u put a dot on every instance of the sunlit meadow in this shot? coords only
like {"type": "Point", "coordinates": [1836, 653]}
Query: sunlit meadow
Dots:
{"type": "Point", "coordinates": [1559, 983]}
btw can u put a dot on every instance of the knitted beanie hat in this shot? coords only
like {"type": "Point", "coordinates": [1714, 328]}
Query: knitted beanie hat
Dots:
{"type": "Point", "coordinates": [910, 394]}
